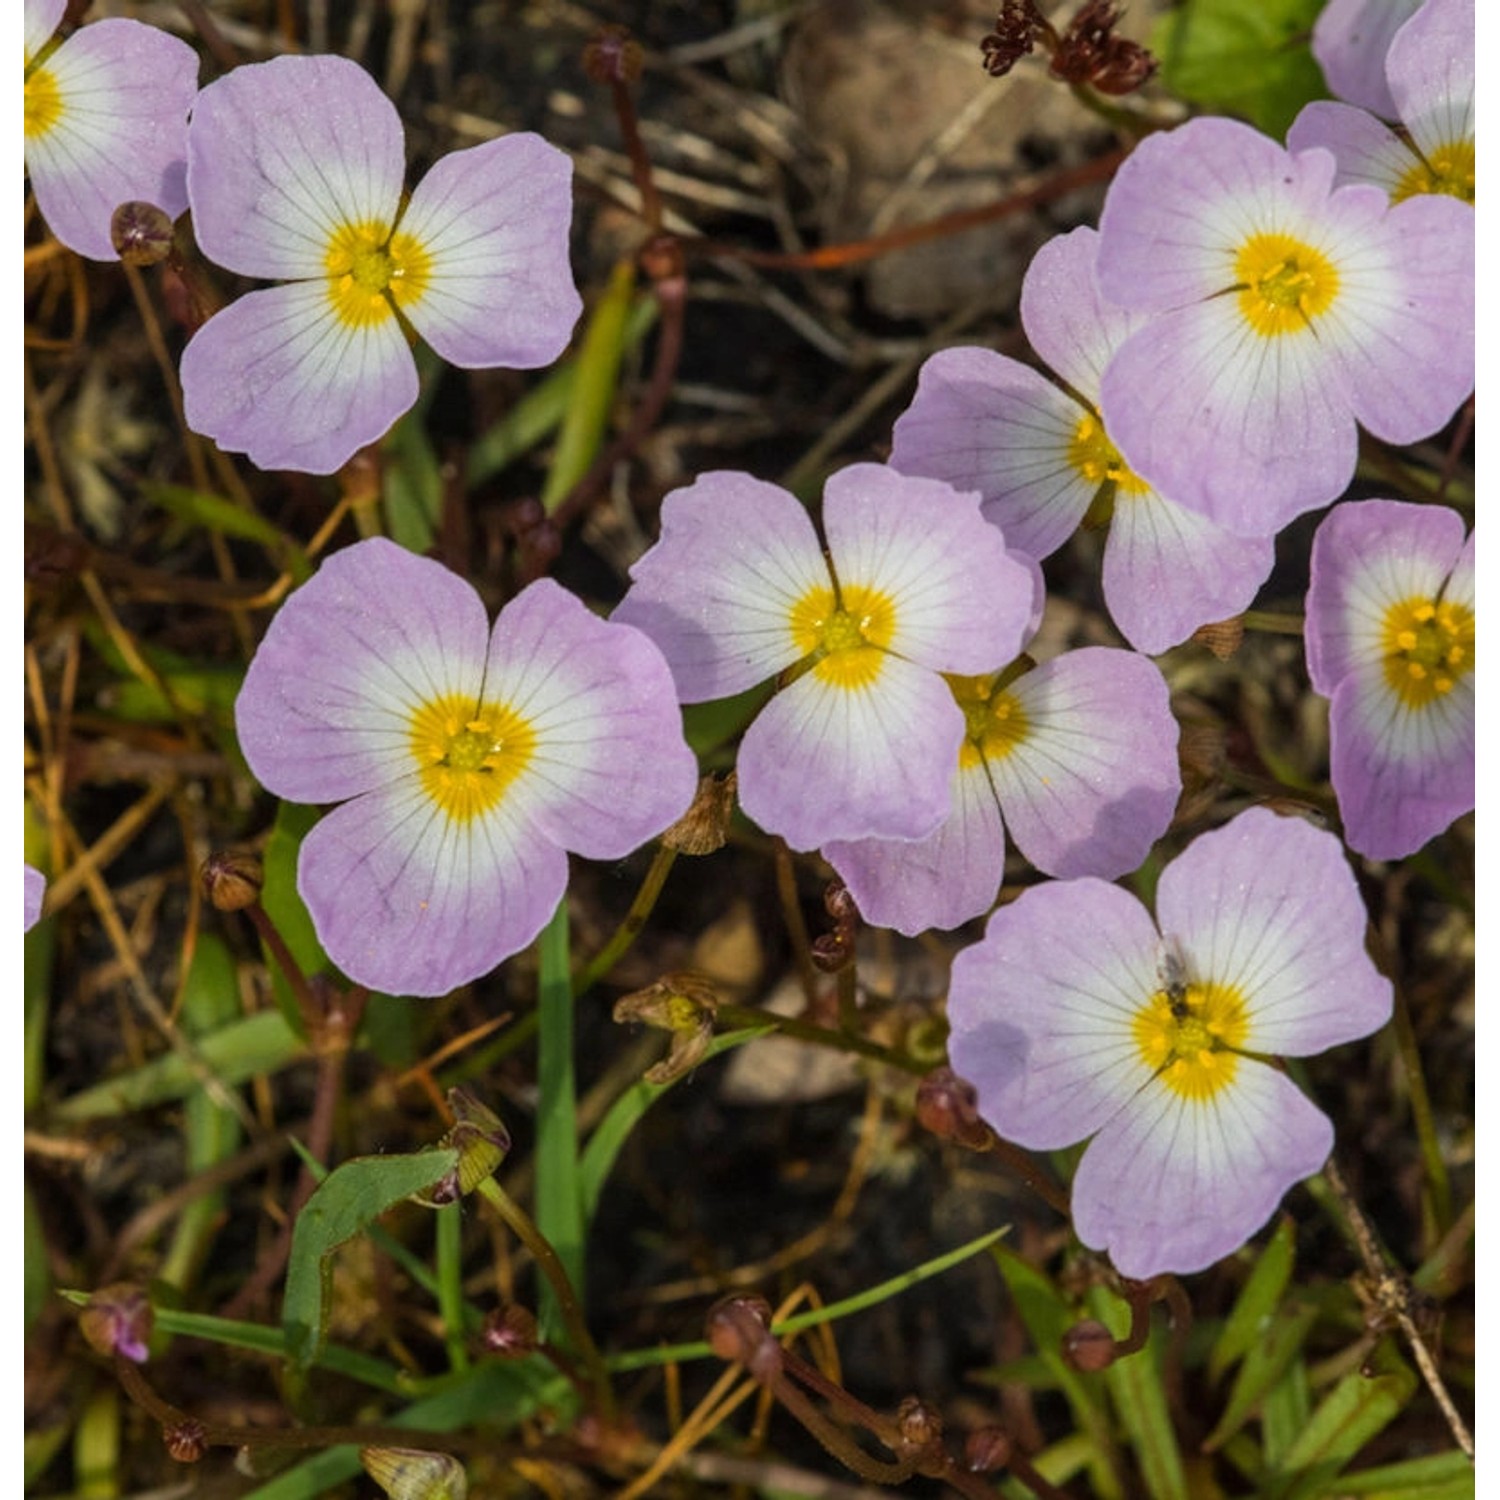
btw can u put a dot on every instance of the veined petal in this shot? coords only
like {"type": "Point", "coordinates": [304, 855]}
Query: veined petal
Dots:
{"type": "Point", "coordinates": [1092, 782]}
{"type": "Point", "coordinates": [826, 762]}
{"type": "Point", "coordinates": [610, 768]}
{"type": "Point", "coordinates": [327, 708]}
{"type": "Point", "coordinates": [1365, 150]}
{"type": "Point", "coordinates": [410, 901]}
{"type": "Point", "coordinates": [1067, 321]}
{"type": "Point", "coordinates": [1266, 906]}
{"type": "Point", "coordinates": [959, 602]}
{"type": "Point", "coordinates": [1350, 41]}
{"type": "Point", "coordinates": [941, 881]}
{"type": "Point", "coordinates": [1367, 557]}
{"type": "Point", "coordinates": [718, 591]}
{"type": "Point", "coordinates": [119, 132]}
{"type": "Point", "coordinates": [1175, 1183]}
{"type": "Point", "coordinates": [1248, 431]}
{"type": "Point", "coordinates": [280, 377]}
{"type": "Point", "coordinates": [981, 421]}
{"type": "Point", "coordinates": [40, 19]}
{"type": "Point", "coordinates": [1430, 68]}
{"type": "Point", "coordinates": [282, 155]}
{"type": "Point", "coordinates": [1402, 773]}
{"type": "Point", "coordinates": [493, 223]}
{"type": "Point", "coordinates": [1042, 1011]}
{"type": "Point", "coordinates": [1168, 570]}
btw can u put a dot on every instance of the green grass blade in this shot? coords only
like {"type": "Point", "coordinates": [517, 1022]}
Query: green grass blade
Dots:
{"type": "Point", "coordinates": [1257, 1301]}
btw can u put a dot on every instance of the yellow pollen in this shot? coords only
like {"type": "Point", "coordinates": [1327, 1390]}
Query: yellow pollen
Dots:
{"type": "Point", "coordinates": [469, 755]}
{"type": "Point", "coordinates": [372, 271]}
{"type": "Point", "coordinates": [1418, 638]}
{"type": "Point", "coordinates": [1284, 284]}
{"type": "Point", "coordinates": [994, 720]}
{"type": "Point", "coordinates": [847, 641]}
{"type": "Point", "coordinates": [1449, 169]}
{"type": "Point", "coordinates": [44, 105]}
{"type": "Point", "coordinates": [1190, 1036]}
{"type": "Point", "coordinates": [1098, 460]}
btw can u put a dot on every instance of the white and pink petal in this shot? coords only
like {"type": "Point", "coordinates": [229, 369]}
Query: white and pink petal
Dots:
{"type": "Point", "coordinates": [1430, 69]}
{"type": "Point", "coordinates": [280, 377]}
{"type": "Point", "coordinates": [1366, 150]}
{"type": "Point", "coordinates": [1351, 40]}
{"type": "Point", "coordinates": [493, 223]}
{"type": "Point", "coordinates": [40, 18]}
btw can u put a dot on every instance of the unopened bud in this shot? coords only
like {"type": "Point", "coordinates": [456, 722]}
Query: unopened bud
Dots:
{"type": "Point", "coordinates": [613, 56]}
{"type": "Point", "coordinates": [510, 1332]}
{"type": "Point", "coordinates": [232, 881]}
{"type": "Point", "coordinates": [739, 1330]}
{"type": "Point", "coordinates": [118, 1319]}
{"type": "Point", "coordinates": [948, 1106]}
{"type": "Point", "coordinates": [704, 827]}
{"type": "Point", "coordinates": [415, 1473]}
{"type": "Point", "coordinates": [1089, 1346]}
{"type": "Point", "coordinates": [478, 1135]}
{"type": "Point", "coordinates": [663, 262]}
{"type": "Point", "coordinates": [141, 234]}
{"type": "Point", "coordinates": [919, 1428]}
{"type": "Point", "coordinates": [987, 1450]}
{"type": "Point", "coordinates": [186, 1441]}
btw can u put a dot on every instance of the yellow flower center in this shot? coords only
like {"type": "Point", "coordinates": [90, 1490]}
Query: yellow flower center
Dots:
{"type": "Point", "coordinates": [1098, 460]}
{"type": "Point", "coordinates": [43, 102]}
{"type": "Point", "coordinates": [994, 721]}
{"type": "Point", "coordinates": [1449, 169]}
{"type": "Point", "coordinates": [1426, 645]}
{"type": "Point", "coordinates": [1283, 284]}
{"type": "Point", "coordinates": [469, 755]}
{"type": "Point", "coordinates": [372, 271]}
{"type": "Point", "coordinates": [846, 639]}
{"type": "Point", "coordinates": [1188, 1035]}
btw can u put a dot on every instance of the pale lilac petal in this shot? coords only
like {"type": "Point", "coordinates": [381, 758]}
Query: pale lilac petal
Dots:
{"type": "Point", "coordinates": [610, 768]}
{"type": "Point", "coordinates": [1175, 1184]}
{"type": "Point", "coordinates": [1041, 1012]}
{"type": "Point", "coordinates": [1186, 199]}
{"type": "Point", "coordinates": [961, 604]}
{"type": "Point", "coordinates": [1249, 431]}
{"type": "Point", "coordinates": [1168, 570]}
{"type": "Point", "coordinates": [823, 763]}
{"type": "Point", "coordinates": [494, 220]}
{"type": "Point", "coordinates": [280, 377]}
{"type": "Point", "coordinates": [377, 633]}
{"type": "Point", "coordinates": [1267, 905]}
{"type": "Point", "coordinates": [125, 90]}
{"type": "Point", "coordinates": [40, 19]}
{"type": "Point", "coordinates": [1367, 556]}
{"type": "Point", "coordinates": [1430, 68]}
{"type": "Point", "coordinates": [1093, 782]}
{"type": "Point", "coordinates": [409, 901]}
{"type": "Point", "coordinates": [941, 881]}
{"type": "Point", "coordinates": [33, 889]}
{"type": "Point", "coordinates": [981, 421]}
{"type": "Point", "coordinates": [1067, 320]}
{"type": "Point", "coordinates": [1402, 774]}
{"type": "Point", "coordinates": [1366, 150]}
{"type": "Point", "coordinates": [717, 592]}
{"type": "Point", "coordinates": [1350, 41]}
{"type": "Point", "coordinates": [284, 154]}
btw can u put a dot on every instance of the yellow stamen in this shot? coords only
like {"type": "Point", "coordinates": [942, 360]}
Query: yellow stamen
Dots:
{"type": "Point", "coordinates": [1449, 169]}
{"type": "Point", "coordinates": [372, 271]}
{"type": "Point", "coordinates": [469, 754]}
{"type": "Point", "coordinates": [847, 641]}
{"type": "Point", "coordinates": [1189, 1037]}
{"type": "Point", "coordinates": [1284, 284]}
{"type": "Point", "coordinates": [1420, 636]}
{"type": "Point", "coordinates": [1098, 460]}
{"type": "Point", "coordinates": [44, 105]}
{"type": "Point", "coordinates": [994, 720]}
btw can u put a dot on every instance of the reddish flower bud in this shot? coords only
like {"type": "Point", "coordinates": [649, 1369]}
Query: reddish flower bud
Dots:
{"type": "Point", "coordinates": [118, 1320]}
{"type": "Point", "coordinates": [232, 881]}
{"type": "Point", "coordinates": [1089, 1346]}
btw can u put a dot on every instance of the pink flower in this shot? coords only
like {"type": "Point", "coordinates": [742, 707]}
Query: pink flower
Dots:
{"type": "Point", "coordinates": [106, 123]}
{"type": "Point", "coordinates": [862, 737]}
{"type": "Point", "coordinates": [467, 760]}
{"type": "Point", "coordinates": [34, 888]}
{"type": "Point", "coordinates": [1079, 1017]}
{"type": "Point", "coordinates": [1350, 41]}
{"type": "Point", "coordinates": [1390, 641]}
{"type": "Point", "coordinates": [295, 171]}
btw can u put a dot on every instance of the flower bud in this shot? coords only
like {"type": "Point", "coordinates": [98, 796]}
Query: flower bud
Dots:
{"type": "Point", "coordinates": [232, 881]}
{"type": "Point", "coordinates": [1089, 1346]}
{"type": "Point", "coordinates": [948, 1106]}
{"type": "Point", "coordinates": [141, 234]}
{"type": "Point", "coordinates": [478, 1135]}
{"type": "Point", "coordinates": [919, 1429]}
{"type": "Point", "coordinates": [118, 1320]}
{"type": "Point", "coordinates": [186, 1441]}
{"type": "Point", "coordinates": [739, 1330]}
{"type": "Point", "coordinates": [510, 1332]}
{"type": "Point", "coordinates": [613, 56]}
{"type": "Point", "coordinates": [987, 1450]}
{"type": "Point", "coordinates": [415, 1473]}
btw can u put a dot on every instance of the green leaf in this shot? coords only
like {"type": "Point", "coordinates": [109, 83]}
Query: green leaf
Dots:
{"type": "Point", "coordinates": [1353, 1412]}
{"type": "Point", "coordinates": [284, 906]}
{"type": "Point", "coordinates": [349, 1198]}
{"type": "Point", "coordinates": [1264, 1366]}
{"type": "Point", "coordinates": [706, 726]}
{"type": "Point", "coordinates": [413, 482]}
{"type": "Point", "coordinates": [1257, 1301]}
{"type": "Point", "coordinates": [215, 513]}
{"type": "Point", "coordinates": [1251, 60]}
{"type": "Point", "coordinates": [1285, 1411]}
{"type": "Point", "coordinates": [261, 1043]}
{"type": "Point", "coordinates": [1442, 1476]}
{"type": "Point", "coordinates": [1140, 1401]}
{"type": "Point", "coordinates": [202, 692]}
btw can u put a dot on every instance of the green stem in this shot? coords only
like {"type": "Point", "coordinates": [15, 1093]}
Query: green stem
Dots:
{"type": "Point", "coordinates": [630, 928]}
{"type": "Point", "coordinates": [1440, 1198]}
{"type": "Point", "coordinates": [1272, 622]}
{"type": "Point", "coordinates": [820, 1036]}
{"type": "Point", "coordinates": [450, 1283]}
